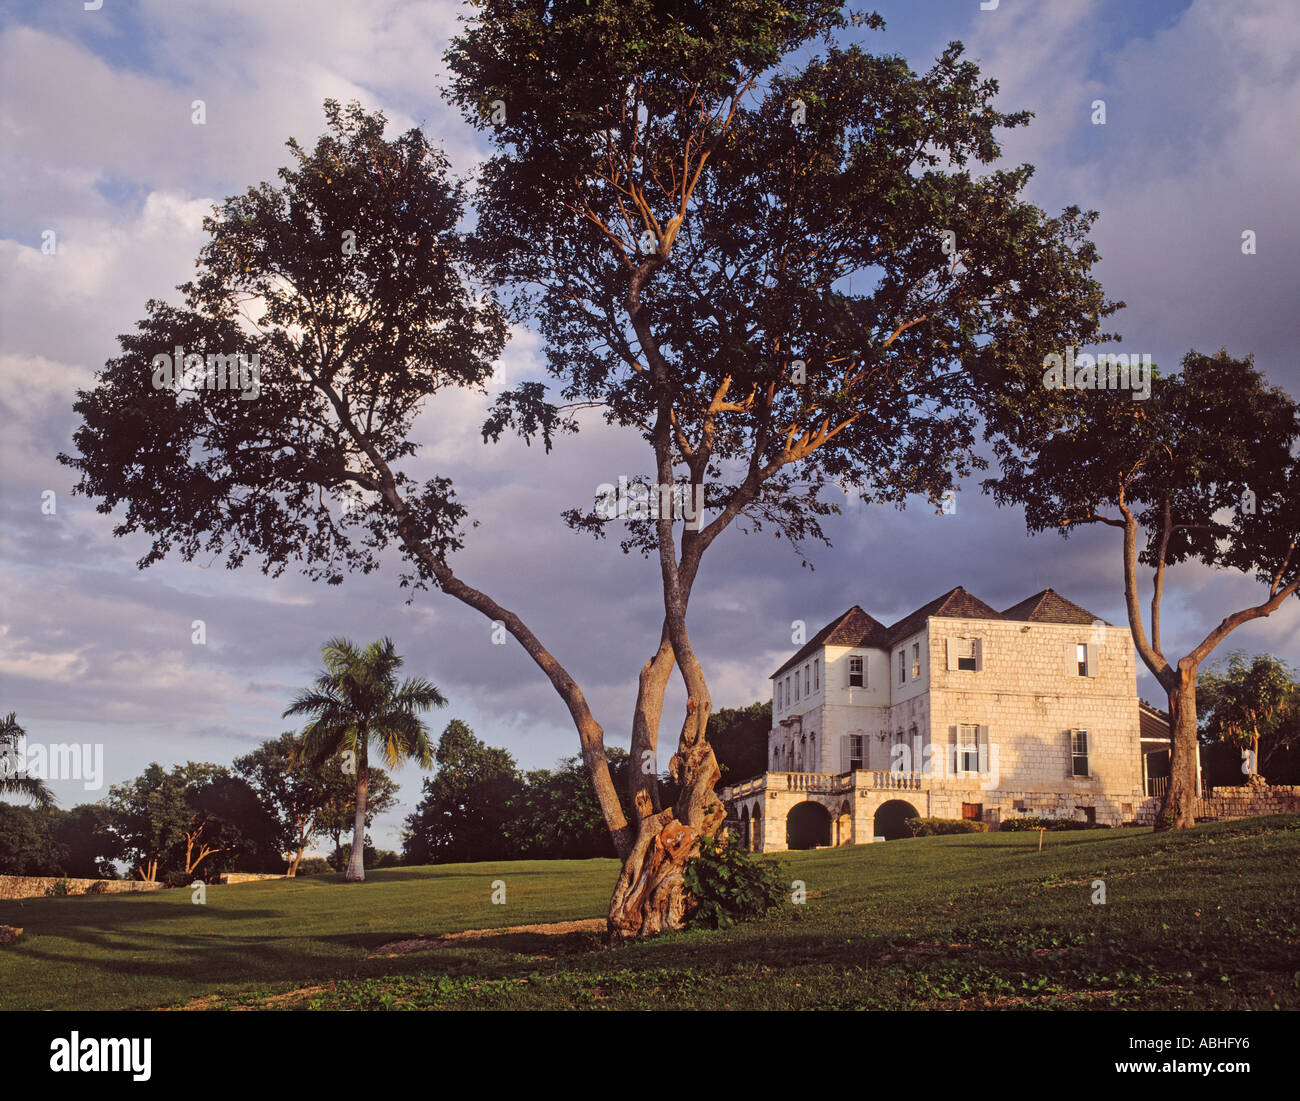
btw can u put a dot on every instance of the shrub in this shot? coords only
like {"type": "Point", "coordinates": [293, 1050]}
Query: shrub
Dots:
{"type": "Point", "coordinates": [313, 865]}
{"type": "Point", "coordinates": [60, 888]}
{"type": "Point", "coordinates": [937, 827]}
{"type": "Point", "coordinates": [1054, 825]}
{"type": "Point", "coordinates": [728, 885]}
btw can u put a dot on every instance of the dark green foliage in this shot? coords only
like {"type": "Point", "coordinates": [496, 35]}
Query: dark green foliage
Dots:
{"type": "Point", "coordinates": [1052, 825]}
{"type": "Point", "coordinates": [465, 811]}
{"type": "Point", "coordinates": [939, 827]}
{"type": "Point", "coordinates": [738, 736]}
{"type": "Point", "coordinates": [354, 334]}
{"type": "Point", "coordinates": [555, 814]}
{"type": "Point", "coordinates": [729, 885]}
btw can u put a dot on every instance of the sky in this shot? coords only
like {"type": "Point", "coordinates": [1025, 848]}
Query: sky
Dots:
{"type": "Point", "coordinates": [1202, 104]}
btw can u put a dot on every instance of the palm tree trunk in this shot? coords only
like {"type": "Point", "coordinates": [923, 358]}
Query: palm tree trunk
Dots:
{"type": "Point", "coordinates": [356, 864]}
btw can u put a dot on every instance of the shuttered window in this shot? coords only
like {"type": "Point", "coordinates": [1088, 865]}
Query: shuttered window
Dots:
{"type": "Point", "coordinates": [857, 673]}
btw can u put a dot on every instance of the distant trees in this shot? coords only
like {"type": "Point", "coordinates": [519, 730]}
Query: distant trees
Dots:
{"type": "Point", "coordinates": [1254, 706]}
{"type": "Point", "coordinates": [305, 801]}
{"type": "Point", "coordinates": [464, 813]}
{"type": "Point", "coordinates": [190, 822]}
{"type": "Point", "coordinates": [358, 700]}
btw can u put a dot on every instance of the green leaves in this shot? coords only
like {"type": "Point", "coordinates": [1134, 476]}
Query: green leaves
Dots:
{"type": "Point", "coordinates": [727, 885]}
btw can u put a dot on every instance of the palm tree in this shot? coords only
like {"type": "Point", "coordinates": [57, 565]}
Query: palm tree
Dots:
{"type": "Point", "coordinates": [355, 701]}
{"type": "Point", "coordinates": [11, 783]}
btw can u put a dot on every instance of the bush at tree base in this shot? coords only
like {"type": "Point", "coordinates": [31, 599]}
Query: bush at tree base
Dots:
{"type": "Point", "coordinates": [727, 884]}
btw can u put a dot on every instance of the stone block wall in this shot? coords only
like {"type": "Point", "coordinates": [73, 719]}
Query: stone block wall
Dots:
{"type": "Point", "coordinates": [38, 886]}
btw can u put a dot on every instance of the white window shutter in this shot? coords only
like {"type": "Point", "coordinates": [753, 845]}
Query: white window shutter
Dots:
{"type": "Point", "coordinates": [1071, 659]}
{"type": "Point", "coordinates": [952, 653]}
{"type": "Point", "coordinates": [1092, 659]}
{"type": "Point", "coordinates": [979, 654]}
{"type": "Point", "coordinates": [865, 682]}
{"type": "Point", "coordinates": [982, 740]}
{"type": "Point", "coordinates": [846, 752]}
{"type": "Point", "coordinates": [1069, 753]}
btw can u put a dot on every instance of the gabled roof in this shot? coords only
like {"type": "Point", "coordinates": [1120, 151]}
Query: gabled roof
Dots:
{"type": "Point", "coordinates": [1050, 606]}
{"type": "Point", "coordinates": [856, 628]}
{"type": "Point", "coordinates": [954, 604]}
{"type": "Point", "coordinates": [853, 628]}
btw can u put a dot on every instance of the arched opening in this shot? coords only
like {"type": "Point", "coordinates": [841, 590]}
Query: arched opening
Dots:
{"type": "Point", "coordinates": [745, 840]}
{"type": "Point", "coordinates": [890, 817]}
{"type": "Point", "coordinates": [807, 826]}
{"type": "Point", "coordinates": [756, 828]}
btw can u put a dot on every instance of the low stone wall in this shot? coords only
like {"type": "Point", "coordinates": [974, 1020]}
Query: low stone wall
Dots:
{"type": "Point", "coordinates": [249, 877]}
{"type": "Point", "coordinates": [38, 886]}
{"type": "Point", "coordinates": [1225, 804]}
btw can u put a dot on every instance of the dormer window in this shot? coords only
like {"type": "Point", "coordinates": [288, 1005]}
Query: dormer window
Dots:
{"type": "Point", "coordinates": [857, 675]}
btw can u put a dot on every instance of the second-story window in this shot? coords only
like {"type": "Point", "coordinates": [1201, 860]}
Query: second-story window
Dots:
{"type": "Point", "coordinates": [966, 654]}
{"type": "Point", "coordinates": [817, 674]}
{"type": "Point", "coordinates": [787, 691]}
{"type": "Point", "coordinates": [1079, 753]}
{"type": "Point", "coordinates": [807, 680]}
{"type": "Point", "coordinates": [916, 661]}
{"type": "Point", "coordinates": [1081, 656]}
{"type": "Point", "coordinates": [796, 685]}
{"type": "Point", "coordinates": [856, 677]}
{"type": "Point", "coordinates": [902, 666]}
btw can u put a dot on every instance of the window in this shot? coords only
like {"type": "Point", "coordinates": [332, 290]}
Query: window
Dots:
{"type": "Point", "coordinates": [787, 691]}
{"type": "Point", "coordinates": [857, 678]}
{"type": "Point", "coordinates": [916, 661]}
{"type": "Point", "coordinates": [968, 748]}
{"type": "Point", "coordinates": [817, 674]}
{"type": "Point", "coordinates": [968, 654]}
{"type": "Point", "coordinates": [857, 752]}
{"type": "Point", "coordinates": [796, 685]}
{"type": "Point", "coordinates": [1079, 753]}
{"type": "Point", "coordinates": [902, 666]}
{"type": "Point", "coordinates": [807, 680]}
{"type": "Point", "coordinates": [1081, 659]}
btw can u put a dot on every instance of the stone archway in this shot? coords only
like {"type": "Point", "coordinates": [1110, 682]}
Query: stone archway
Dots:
{"type": "Point", "coordinates": [807, 826]}
{"type": "Point", "coordinates": [746, 841]}
{"type": "Point", "coordinates": [889, 819]}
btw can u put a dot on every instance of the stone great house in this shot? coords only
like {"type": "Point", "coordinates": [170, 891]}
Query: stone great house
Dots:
{"type": "Point", "coordinates": [955, 711]}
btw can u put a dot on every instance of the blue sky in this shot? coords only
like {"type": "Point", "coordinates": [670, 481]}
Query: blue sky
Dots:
{"type": "Point", "coordinates": [1203, 101]}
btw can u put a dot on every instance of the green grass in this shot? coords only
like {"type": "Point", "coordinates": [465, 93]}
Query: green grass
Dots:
{"type": "Point", "coordinates": [1202, 919]}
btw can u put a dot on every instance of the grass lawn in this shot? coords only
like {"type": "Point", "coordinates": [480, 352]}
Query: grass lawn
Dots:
{"type": "Point", "coordinates": [1204, 919]}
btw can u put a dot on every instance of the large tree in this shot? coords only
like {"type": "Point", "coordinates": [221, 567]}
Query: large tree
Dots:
{"type": "Point", "coordinates": [781, 273]}
{"type": "Point", "coordinates": [781, 280]}
{"type": "Point", "coordinates": [1204, 470]}
{"type": "Point", "coordinates": [355, 702]}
